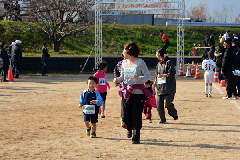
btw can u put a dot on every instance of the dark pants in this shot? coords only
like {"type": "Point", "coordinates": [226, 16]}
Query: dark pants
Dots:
{"type": "Point", "coordinates": [168, 104]}
{"type": "Point", "coordinates": [166, 45]}
{"type": "Point", "coordinates": [238, 85]}
{"type": "Point", "coordinates": [15, 68]}
{"type": "Point", "coordinates": [231, 88]}
{"type": "Point", "coordinates": [132, 114]}
{"type": "Point", "coordinates": [44, 67]}
{"type": "Point", "coordinates": [4, 73]}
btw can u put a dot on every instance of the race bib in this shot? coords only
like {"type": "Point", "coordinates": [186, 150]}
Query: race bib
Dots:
{"type": "Point", "coordinates": [89, 109]}
{"type": "Point", "coordinates": [128, 73]}
{"type": "Point", "coordinates": [161, 80]}
{"type": "Point", "coordinates": [102, 81]}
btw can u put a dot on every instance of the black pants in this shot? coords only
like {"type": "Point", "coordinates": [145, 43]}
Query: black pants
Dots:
{"type": "Point", "coordinates": [166, 45]}
{"type": "Point", "coordinates": [16, 68]}
{"type": "Point", "coordinates": [132, 114]}
{"type": "Point", "coordinates": [168, 104]}
{"type": "Point", "coordinates": [44, 67]}
{"type": "Point", "coordinates": [231, 88]}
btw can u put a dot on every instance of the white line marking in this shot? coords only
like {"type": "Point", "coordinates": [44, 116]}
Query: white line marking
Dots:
{"type": "Point", "coordinates": [234, 102]}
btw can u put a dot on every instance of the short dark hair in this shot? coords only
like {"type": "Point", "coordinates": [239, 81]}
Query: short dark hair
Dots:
{"type": "Point", "coordinates": [204, 55]}
{"type": "Point", "coordinates": [45, 43]}
{"type": "Point", "coordinates": [149, 82]}
{"type": "Point", "coordinates": [228, 41]}
{"type": "Point", "coordinates": [161, 31]}
{"type": "Point", "coordinates": [2, 44]}
{"type": "Point", "coordinates": [163, 51]}
{"type": "Point", "coordinates": [132, 49]}
{"type": "Point", "coordinates": [101, 65]}
{"type": "Point", "coordinates": [92, 78]}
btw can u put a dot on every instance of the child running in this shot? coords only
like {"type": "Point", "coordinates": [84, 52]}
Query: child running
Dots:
{"type": "Point", "coordinates": [102, 84]}
{"type": "Point", "coordinates": [149, 102]}
{"type": "Point", "coordinates": [91, 100]}
{"type": "Point", "coordinates": [208, 65]}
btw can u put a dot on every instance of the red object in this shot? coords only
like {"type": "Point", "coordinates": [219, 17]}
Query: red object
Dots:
{"type": "Point", "coordinates": [194, 51]}
{"type": "Point", "coordinates": [222, 83]}
{"type": "Point", "coordinates": [180, 70]}
{"type": "Point", "coordinates": [193, 68]}
{"type": "Point", "coordinates": [197, 75]}
{"type": "Point", "coordinates": [215, 75]}
{"type": "Point", "coordinates": [165, 38]}
{"type": "Point", "coordinates": [10, 75]}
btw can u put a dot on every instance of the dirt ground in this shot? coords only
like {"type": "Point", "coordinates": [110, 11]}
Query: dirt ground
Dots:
{"type": "Point", "coordinates": [40, 119]}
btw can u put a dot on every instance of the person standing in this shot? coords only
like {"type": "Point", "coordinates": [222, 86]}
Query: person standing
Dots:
{"type": "Point", "coordinates": [229, 64]}
{"type": "Point", "coordinates": [16, 57]}
{"type": "Point", "coordinates": [44, 58]}
{"type": "Point", "coordinates": [212, 41]}
{"type": "Point", "coordinates": [4, 61]}
{"type": "Point", "coordinates": [134, 73]}
{"type": "Point", "coordinates": [10, 47]}
{"type": "Point", "coordinates": [218, 55]}
{"type": "Point", "coordinates": [165, 40]}
{"type": "Point", "coordinates": [226, 35]}
{"type": "Point", "coordinates": [206, 42]}
{"type": "Point", "coordinates": [166, 85]}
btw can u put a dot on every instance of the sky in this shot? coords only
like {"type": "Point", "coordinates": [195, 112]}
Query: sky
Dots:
{"type": "Point", "coordinates": [212, 5]}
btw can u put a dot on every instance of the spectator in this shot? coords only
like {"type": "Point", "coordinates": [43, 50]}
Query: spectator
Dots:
{"type": "Point", "coordinates": [4, 61]}
{"type": "Point", "coordinates": [10, 47]}
{"type": "Point", "coordinates": [238, 62]}
{"type": "Point", "coordinates": [211, 52]}
{"type": "Point", "coordinates": [206, 42]}
{"type": "Point", "coordinates": [16, 57]}
{"type": "Point", "coordinates": [218, 55]}
{"type": "Point", "coordinates": [236, 36]}
{"type": "Point", "coordinates": [212, 41]}
{"type": "Point", "coordinates": [226, 35]}
{"type": "Point", "coordinates": [44, 58]}
{"type": "Point", "coordinates": [229, 64]}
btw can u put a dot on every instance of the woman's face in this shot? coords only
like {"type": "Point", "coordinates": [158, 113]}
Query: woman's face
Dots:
{"type": "Point", "coordinates": [125, 55]}
{"type": "Point", "coordinates": [158, 56]}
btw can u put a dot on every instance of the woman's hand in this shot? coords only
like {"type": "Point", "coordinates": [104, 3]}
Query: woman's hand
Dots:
{"type": "Point", "coordinates": [135, 77]}
{"type": "Point", "coordinates": [115, 80]}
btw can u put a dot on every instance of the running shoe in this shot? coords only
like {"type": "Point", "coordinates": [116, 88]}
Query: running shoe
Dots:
{"type": "Point", "coordinates": [227, 97]}
{"type": "Point", "coordinates": [93, 135]}
{"type": "Point", "coordinates": [88, 131]}
{"type": "Point", "coordinates": [149, 121]}
{"type": "Point", "coordinates": [129, 134]}
{"type": "Point", "coordinates": [162, 122]}
{"type": "Point", "coordinates": [206, 95]}
{"type": "Point", "coordinates": [102, 115]}
{"type": "Point", "coordinates": [209, 95]}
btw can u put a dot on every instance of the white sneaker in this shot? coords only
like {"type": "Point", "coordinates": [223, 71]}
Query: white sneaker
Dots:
{"type": "Point", "coordinates": [235, 97]}
{"type": "Point", "coordinates": [227, 97]}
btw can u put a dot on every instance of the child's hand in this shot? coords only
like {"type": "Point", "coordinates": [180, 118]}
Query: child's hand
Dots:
{"type": "Point", "coordinates": [135, 77]}
{"type": "Point", "coordinates": [93, 102]}
{"type": "Point", "coordinates": [115, 80]}
{"type": "Point", "coordinates": [109, 87]}
{"type": "Point", "coordinates": [80, 106]}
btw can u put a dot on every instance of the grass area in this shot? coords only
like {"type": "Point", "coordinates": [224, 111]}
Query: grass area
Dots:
{"type": "Point", "coordinates": [113, 37]}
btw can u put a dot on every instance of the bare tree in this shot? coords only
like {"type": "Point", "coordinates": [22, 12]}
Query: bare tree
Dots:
{"type": "Point", "coordinates": [222, 15]}
{"type": "Point", "coordinates": [237, 20]}
{"type": "Point", "coordinates": [199, 11]}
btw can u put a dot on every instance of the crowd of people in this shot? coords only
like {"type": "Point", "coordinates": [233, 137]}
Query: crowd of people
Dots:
{"type": "Point", "coordinates": [12, 55]}
{"type": "Point", "coordinates": [225, 59]}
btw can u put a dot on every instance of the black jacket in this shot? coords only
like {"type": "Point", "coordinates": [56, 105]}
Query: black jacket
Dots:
{"type": "Point", "coordinates": [229, 63]}
{"type": "Point", "coordinates": [211, 53]}
{"type": "Point", "coordinates": [16, 53]}
{"type": "Point", "coordinates": [218, 59]}
{"type": "Point", "coordinates": [211, 41]}
{"type": "Point", "coordinates": [45, 54]}
{"type": "Point", "coordinates": [166, 67]}
{"type": "Point", "coordinates": [4, 59]}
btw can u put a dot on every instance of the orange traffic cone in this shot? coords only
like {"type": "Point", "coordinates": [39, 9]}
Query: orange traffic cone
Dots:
{"type": "Point", "coordinates": [193, 68]}
{"type": "Point", "coordinates": [215, 75]}
{"type": "Point", "coordinates": [197, 75]}
{"type": "Point", "coordinates": [222, 83]}
{"type": "Point", "coordinates": [10, 75]}
{"type": "Point", "coordinates": [180, 70]}
{"type": "Point", "coordinates": [188, 74]}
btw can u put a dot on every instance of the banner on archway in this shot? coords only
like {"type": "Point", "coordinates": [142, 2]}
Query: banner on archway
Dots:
{"type": "Point", "coordinates": [131, 6]}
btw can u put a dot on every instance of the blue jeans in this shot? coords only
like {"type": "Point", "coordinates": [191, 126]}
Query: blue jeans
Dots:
{"type": "Point", "coordinates": [4, 73]}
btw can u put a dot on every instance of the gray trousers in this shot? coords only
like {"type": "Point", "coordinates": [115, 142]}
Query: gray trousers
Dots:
{"type": "Point", "coordinates": [168, 104]}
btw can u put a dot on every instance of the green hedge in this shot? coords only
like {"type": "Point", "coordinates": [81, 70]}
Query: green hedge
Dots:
{"type": "Point", "coordinates": [114, 37]}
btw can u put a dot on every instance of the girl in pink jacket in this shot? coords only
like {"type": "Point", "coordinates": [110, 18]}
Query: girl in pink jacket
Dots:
{"type": "Point", "coordinates": [102, 84]}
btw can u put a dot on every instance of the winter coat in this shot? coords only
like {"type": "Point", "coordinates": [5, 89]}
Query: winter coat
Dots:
{"type": "Point", "coordinates": [16, 53]}
{"type": "Point", "coordinates": [4, 59]}
{"type": "Point", "coordinates": [218, 59]}
{"type": "Point", "coordinates": [229, 63]}
{"type": "Point", "coordinates": [166, 67]}
{"type": "Point", "coordinates": [45, 54]}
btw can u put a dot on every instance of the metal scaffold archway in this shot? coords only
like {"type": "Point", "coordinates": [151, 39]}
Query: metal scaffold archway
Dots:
{"type": "Point", "coordinates": [108, 7]}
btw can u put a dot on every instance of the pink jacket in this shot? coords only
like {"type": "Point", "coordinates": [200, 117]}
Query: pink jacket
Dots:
{"type": "Point", "coordinates": [101, 76]}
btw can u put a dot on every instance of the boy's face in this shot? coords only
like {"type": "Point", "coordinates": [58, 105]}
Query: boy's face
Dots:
{"type": "Point", "coordinates": [91, 85]}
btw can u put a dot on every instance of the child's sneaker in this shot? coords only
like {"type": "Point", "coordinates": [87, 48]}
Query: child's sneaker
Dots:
{"type": "Point", "coordinates": [88, 131]}
{"type": "Point", "coordinates": [227, 97]}
{"type": "Point", "coordinates": [209, 95]}
{"type": "Point", "coordinates": [102, 115]}
{"type": "Point", "coordinates": [93, 135]}
{"type": "Point", "coordinates": [206, 95]}
{"type": "Point", "coordinates": [149, 121]}
{"type": "Point", "coordinates": [235, 97]}
{"type": "Point", "coordinates": [124, 125]}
